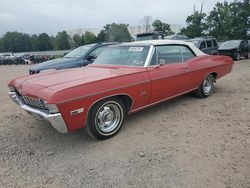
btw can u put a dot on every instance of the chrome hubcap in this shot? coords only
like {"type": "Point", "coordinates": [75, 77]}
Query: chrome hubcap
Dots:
{"type": "Point", "coordinates": [108, 117]}
{"type": "Point", "coordinates": [207, 85]}
{"type": "Point", "coordinates": [238, 56]}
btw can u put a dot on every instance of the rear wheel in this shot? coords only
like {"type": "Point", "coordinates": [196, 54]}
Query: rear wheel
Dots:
{"type": "Point", "coordinates": [248, 55]}
{"type": "Point", "coordinates": [105, 118]}
{"type": "Point", "coordinates": [206, 88]}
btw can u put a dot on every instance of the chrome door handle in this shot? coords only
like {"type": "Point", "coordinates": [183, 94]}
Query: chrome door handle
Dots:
{"type": "Point", "coordinates": [184, 67]}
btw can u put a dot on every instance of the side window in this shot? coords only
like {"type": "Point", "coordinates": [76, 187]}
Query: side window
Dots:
{"type": "Point", "coordinates": [209, 43]}
{"type": "Point", "coordinates": [169, 54]}
{"type": "Point", "coordinates": [215, 44]}
{"type": "Point", "coordinates": [203, 45]}
{"type": "Point", "coordinates": [187, 53]}
{"type": "Point", "coordinates": [96, 52]}
{"type": "Point", "coordinates": [245, 44]}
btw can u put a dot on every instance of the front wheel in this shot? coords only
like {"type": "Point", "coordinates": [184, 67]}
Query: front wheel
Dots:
{"type": "Point", "coordinates": [236, 57]}
{"type": "Point", "coordinates": [206, 88]}
{"type": "Point", "coordinates": [105, 118]}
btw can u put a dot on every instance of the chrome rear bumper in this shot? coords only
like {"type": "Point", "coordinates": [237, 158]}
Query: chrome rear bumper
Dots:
{"type": "Point", "coordinates": [56, 120]}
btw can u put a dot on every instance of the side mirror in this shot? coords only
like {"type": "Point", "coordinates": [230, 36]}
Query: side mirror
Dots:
{"type": "Point", "coordinates": [160, 65]}
{"type": "Point", "coordinates": [91, 58]}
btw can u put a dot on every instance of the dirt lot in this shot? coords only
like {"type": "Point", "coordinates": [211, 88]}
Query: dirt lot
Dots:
{"type": "Point", "coordinates": [187, 142]}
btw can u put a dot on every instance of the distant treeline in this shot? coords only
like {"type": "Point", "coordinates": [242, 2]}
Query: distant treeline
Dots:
{"type": "Point", "coordinates": [226, 21]}
{"type": "Point", "coordinates": [22, 42]}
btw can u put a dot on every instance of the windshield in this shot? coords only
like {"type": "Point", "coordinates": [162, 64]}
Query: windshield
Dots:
{"type": "Point", "coordinates": [170, 37]}
{"type": "Point", "coordinates": [124, 55]}
{"type": "Point", "coordinates": [146, 37]}
{"type": "Point", "coordinates": [231, 44]}
{"type": "Point", "coordinates": [78, 52]}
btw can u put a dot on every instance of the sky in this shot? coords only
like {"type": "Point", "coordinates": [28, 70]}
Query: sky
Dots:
{"type": "Point", "coordinates": [51, 16]}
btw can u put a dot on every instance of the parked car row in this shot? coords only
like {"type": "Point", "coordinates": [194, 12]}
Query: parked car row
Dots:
{"type": "Point", "coordinates": [11, 59]}
{"type": "Point", "coordinates": [209, 45]}
{"type": "Point", "coordinates": [78, 57]}
{"type": "Point", "coordinates": [123, 79]}
{"type": "Point", "coordinates": [233, 48]}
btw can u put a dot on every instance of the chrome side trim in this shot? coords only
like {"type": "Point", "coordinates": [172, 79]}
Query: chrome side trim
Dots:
{"type": "Point", "coordinates": [151, 104]}
{"type": "Point", "coordinates": [150, 55]}
{"type": "Point", "coordinates": [77, 111]}
{"type": "Point", "coordinates": [97, 93]}
{"type": "Point", "coordinates": [56, 120]}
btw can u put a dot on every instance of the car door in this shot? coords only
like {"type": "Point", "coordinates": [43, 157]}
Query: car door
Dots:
{"type": "Point", "coordinates": [168, 73]}
{"type": "Point", "coordinates": [244, 48]}
{"type": "Point", "coordinates": [209, 48]}
{"type": "Point", "coordinates": [215, 47]}
{"type": "Point", "coordinates": [203, 47]}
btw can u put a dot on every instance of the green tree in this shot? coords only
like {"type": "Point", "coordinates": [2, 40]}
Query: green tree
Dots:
{"type": "Point", "coordinates": [62, 41]}
{"type": "Point", "coordinates": [34, 43]}
{"type": "Point", "coordinates": [115, 33]}
{"type": "Point", "coordinates": [16, 42]}
{"type": "Point", "coordinates": [89, 37]}
{"type": "Point", "coordinates": [162, 27]}
{"type": "Point", "coordinates": [1, 45]}
{"type": "Point", "coordinates": [196, 25]}
{"type": "Point", "coordinates": [101, 36]}
{"type": "Point", "coordinates": [44, 42]}
{"type": "Point", "coordinates": [78, 40]}
{"type": "Point", "coordinates": [229, 20]}
{"type": "Point", "coordinates": [53, 42]}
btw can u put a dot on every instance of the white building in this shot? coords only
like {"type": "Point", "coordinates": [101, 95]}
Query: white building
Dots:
{"type": "Point", "coordinates": [133, 30]}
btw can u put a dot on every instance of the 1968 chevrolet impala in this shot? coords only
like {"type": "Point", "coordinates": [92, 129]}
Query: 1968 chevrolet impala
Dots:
{"type": "Point", "coordinates": [124, 79]}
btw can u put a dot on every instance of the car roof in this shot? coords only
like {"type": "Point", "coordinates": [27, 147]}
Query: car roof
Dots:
{"type": "Point", "coordinates": [158, 42]}
{"type": "Point", "coordinates": [108, 43]}
{"type": "Point", "coordinates": [165, 42]}
{"type": "Point", "coordinates": [99, 44]}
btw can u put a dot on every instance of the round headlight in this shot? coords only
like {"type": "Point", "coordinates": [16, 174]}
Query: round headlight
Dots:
{"type": "Point", "coordinates": [52, 108]}
{"type": "Point", "coordinates": [12, 88]}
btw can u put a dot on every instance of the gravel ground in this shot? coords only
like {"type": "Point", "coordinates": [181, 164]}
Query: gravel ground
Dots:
{"type": "Point", "coordinates": [186, 142]}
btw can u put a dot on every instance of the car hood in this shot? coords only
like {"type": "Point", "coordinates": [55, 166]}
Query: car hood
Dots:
{"type": "Point", "coordinates": [228, 48]}
{"type": "Point", "coordinates": [53, 64]}
{"type": "Point", "coordinates": [57, 80]}
{"type": "Point", "coordinates": [65, 84]}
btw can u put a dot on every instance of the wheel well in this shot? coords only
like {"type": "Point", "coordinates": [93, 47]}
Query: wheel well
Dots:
{"type": "Point", "coordinates": [127, 100]}
{"type": "Point", "coordinates": [214, 74]}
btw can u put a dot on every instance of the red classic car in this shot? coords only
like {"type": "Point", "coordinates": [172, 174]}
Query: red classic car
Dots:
{"type": "Point", "coordinates": [124, 79]}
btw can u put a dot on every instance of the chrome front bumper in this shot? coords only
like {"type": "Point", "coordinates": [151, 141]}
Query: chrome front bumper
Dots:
{"type": "Point", "coordinates": [56, 120]}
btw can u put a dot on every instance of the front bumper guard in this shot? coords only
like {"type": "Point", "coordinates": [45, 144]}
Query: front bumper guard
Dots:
{"type": "Point", "coordinates": [56, 120]}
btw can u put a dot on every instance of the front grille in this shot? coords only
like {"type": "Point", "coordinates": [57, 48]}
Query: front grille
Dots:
{"type": "Point", "coordinates": [37, 103]}
{"type": "Point", "coordinates": [225, 52]}
{"type": "Point", "coordinates": [32, 72]}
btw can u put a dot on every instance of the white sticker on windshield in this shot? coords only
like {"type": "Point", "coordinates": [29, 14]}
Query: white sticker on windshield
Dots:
{"type": "Point", "coordinates": [135, 49]}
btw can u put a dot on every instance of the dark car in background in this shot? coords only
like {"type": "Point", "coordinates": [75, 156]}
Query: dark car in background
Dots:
{"type": "Point", "coordinates": [11, 59]}
{"type": "Point", "coordinates": [208, 45]}
{"type": "Point", "coordinates": [149, 36]}
{"type": "Point", "coordinates": [78, 57]}
{"type": "Point", "coordinates": [235, 49]}
{"type": "Point", "coordinates": [177, 36]}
